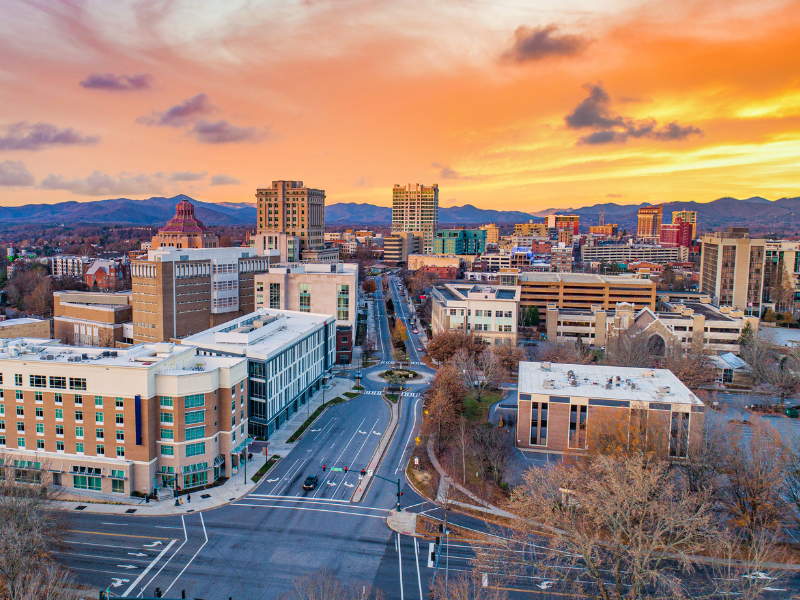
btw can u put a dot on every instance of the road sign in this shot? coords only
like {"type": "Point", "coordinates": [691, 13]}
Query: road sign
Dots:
{"type": "Point", "coordinates": [335, 469]}
{"type": "Point", "coordinates": [416, 461]}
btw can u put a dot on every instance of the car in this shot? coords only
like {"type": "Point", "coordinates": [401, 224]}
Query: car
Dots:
{"type": "Point", "coordinates": [420, 349]}
{"type": "Point", "coordinates": [415, 330]}
{"type": "Point", "coordinates": [312, 481]}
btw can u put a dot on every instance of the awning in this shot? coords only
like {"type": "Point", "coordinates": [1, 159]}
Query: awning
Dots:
{"type": "Point", "coordinates": [241, 446]}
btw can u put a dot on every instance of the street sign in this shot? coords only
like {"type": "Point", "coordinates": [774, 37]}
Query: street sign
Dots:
{"type": "Point", "coordinates": [335, 469]}
{"type": "Point", "coordinates": [416, 461]}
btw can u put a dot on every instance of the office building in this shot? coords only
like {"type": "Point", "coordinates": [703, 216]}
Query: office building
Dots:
{"type": "Point", "coordinates": [626, 253]}
{"type": "Point", "coordinates": [781, 256]}
{"type": "Point", "coordinates": [184, 230]}
{"type": "Point", "coordinates": [580, 290]}
{"type": "Point", "coordinates": [565, 236]}
{"type": "Point", "coordinates": [561, 258]}
{"type": "Point", "coordinates": [676, 234]}
{"type": "Point", "coordinates": [67, 265]}
{"type": "Point", "coordinates": [732, 269]}
{"type": "Point", "coordinates": [686, 216]}
{"type": "Point", "coordinates": [649, 223]}
{"type": "Point", "coordinates": [490, 312]}
{"type": "Point", "coordinates": [607, 230]}
{"type": "Point", "coordinates": [558, 404]}
{"type": "Point", "coordinates": [415, 208]}
{"type": "Point", "coordinates": [531, 228]}
{"type": "Point", "coordinates": [121, 421]}
{"type": "Point", "coordinates": [287, 354]}
{"type": "Point", "coordinates": [459, 241]}
{"type": "Point", "coordinates": [280, 247]}
{"type": "Point", "coordinates": [179, 292]}
{"type": "Point", "coordinates": [398, 246]}
{"type": "Point", "coordinates": [25, 327]}
{"type": "Point", "coordinates": [290, 207]}
{"type": "Point", "coordinates": [492, 233]}
{"type": "Point", "coordinates": [559, 222]}
{"type": "Point", "coordinates": [93, 318]}
{"type": "Point", "coordinates": [678, 326]}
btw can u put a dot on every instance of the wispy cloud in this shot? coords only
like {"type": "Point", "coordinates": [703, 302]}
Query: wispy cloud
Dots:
{"type": "Point", "coordinates": [188, 176]}
{"type": "Point", "coordinates": [537, 43]}
{"type": "Point", "coordinates": [180, 115]}
{"type": "Point", "coordinates": [223, 132]}
{"type": "Point", "coordinates": [37, 136]}
{"type": "Point", "coordinates": [446, 172]}
{"type": "Point", "coordinates": [15, 173]}
{"type": "Point", "coordinates": [118, 83]}
{"type": "Point", "coordinates": [101, 184]}
{"type": "Point", "coordinates": [223, 179]}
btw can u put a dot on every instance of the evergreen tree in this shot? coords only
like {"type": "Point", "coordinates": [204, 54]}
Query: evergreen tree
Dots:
{"type": "Point", "coordinates": [535, 317]}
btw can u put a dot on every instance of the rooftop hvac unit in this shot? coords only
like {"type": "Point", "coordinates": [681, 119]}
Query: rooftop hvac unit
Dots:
{"type": "Point", "coordinates": [113, 354]}
{"type": "Point", "coordinates": [73, 359]}
{"type": "Point", "coordinates": [549, 384]}
{"type": "Point", "coordinates": [574, 383]}
{"type": "Point", "coordinates": [84, 357]}
{"type": "Point", "coordinates": [545, 366]}
{"type": "Point", "coordinates": [634, 386]}
{"type": "Point", "coordinates": [609, 386]}
{"type": "Point", "coordinates": [648, 373]}
{"type": "Point", "coordinates": [663, 390]}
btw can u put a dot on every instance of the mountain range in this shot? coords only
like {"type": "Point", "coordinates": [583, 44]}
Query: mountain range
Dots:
{"type": "Point", "coordinates": [760, 214]}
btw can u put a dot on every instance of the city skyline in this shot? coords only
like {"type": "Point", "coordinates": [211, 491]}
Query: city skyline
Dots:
{"type": "Point", "coordinates": [519, 109]}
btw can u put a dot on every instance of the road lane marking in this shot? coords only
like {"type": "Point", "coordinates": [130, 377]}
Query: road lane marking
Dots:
{"type": "Point", "coordinates": [338, 458]}
{"type": "Point", "coordinates": [193, 557]}
{"type": "Point", "coordinates": [104, 545]}
{"type": "Point", "coordinates": [166, 562]}
{"type": "Point", "coordinates": [166, 527]}
{"type": "Point", "coordinates": [120, 524]}
{"type": "Point", "coordinates": [320, 501]}
{"type": "Point", "coordinates": [400, 562]}
{"type": "Point", "coordinates": [146, 537]}
{"type": "Point", "coordinates": [408, 441]}
{"type": "Point", "coordinates": [338, 512]}
{"type": "Point", "coordinates": [99, 557]}
{"type": "Point", "coordinates": [150, 566]}
{"type": "Point", "coordinates": [419, 577]}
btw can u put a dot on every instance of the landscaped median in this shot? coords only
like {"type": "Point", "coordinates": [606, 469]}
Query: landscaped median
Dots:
{"type": "Point", "coordinates": [265, 467]}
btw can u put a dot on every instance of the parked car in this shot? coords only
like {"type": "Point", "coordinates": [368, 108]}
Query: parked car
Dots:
{"type": "Point", "coordinates": [311, 482]}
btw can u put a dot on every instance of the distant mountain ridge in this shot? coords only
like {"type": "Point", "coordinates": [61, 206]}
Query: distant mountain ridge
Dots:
{"type": "Point", "coordinates": [362, 214]}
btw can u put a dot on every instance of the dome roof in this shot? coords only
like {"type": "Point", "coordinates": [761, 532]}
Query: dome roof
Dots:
{"type": "Point", "coordinates": [184, 220]}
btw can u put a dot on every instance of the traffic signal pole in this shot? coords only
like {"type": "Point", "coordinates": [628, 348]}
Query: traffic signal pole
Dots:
{"type": "Point", "coordinates": [399, 493]}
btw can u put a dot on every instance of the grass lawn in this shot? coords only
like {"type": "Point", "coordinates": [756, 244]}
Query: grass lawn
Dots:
{"type": "Point", "coordinates": [352, 394]}
{"type": "Point", "coordinates": [265, 467]}
{"type": "Point", "coordinates": [392, 397]}
{"type": "Point", "coordinates": [478, 412]}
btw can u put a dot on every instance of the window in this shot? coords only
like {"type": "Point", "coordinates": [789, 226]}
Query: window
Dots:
{"type": "Point", "coordinates": [17, 379]}
{"type": "Point", "coordinates": [274, 295]}
{"type": "Point", "coordinates": [165, 401]}
{"type": "Point", "coordinates": [98, 417]}
{"type": "Point", "coordinates": [117, 474]}
{"type": "Point", "coordinates": [120, 435]}
{"type": "Point", "coordinates": [79, 432]}
{"type": "Point", "coordinates": [343, 302]}
{"type": "Point", "coordinates": [59, 383]}
{"type": "Point", "coordinates": [20, 442]}
{"type": "Point", "coordinates": [59, 430]}
{"type": "Point", "coordinates": [38, 381]}
{"type": "Point", "coordinates": [167, 434]}
{"type": "Point", "coordinates": [19, 396]}
{"type": "Point", "coordinates": [2, 440]}
{"type": "Point", "coordinates": [195, 433]}
{"type": "Point", "coordinates": [59, 414]}
{"type": "Point", "coordinates": [101, 449]}
{"type": "Point", "coordinates": [679, 435]}
{"type": "Point", "coordinates": [77, 383]}
{"type": "Point", "coordinates": [39, 412]}
{"type": "Point", "coordinates": [38, 396]}
{"type": "Point", "coordinates": [539, 423]}
{"type": "Point", "coordinates": [98, 401]}
{"type": "Point", "coordinates": [195, 449]}
{"type": "Point", "coordinates": [21, 426]}
{"type": "Point", "coordinates": [99, 434]}
{"type": "Point", "coordinates": [119, 419]}
{"type": "Point", "coordinates": [20, 411]}
{"type": "Point", "coordinates": [118, 402]}
{"type": "Point", "coordinates": [3, 426]}
{"type": "Point", "coordinates": [197, 416]}
{"type": "Point", "coordinates": [82, 482]}
{"type": "Point", "coordinates": [117, 486]}
{"type": "Point", "coordinates": [166, 417]}
{"type": "Point", "coordinates": [233, 405]}
{"type": "Point", "coordinates": [577, 426]}
{"type": "Point", "coordinates": [39, 429]}
{"type": "Point", "coordinates": [121, 451]}
{"type": "Point", "coordinates": [2, 409]}
{"type": "Point", "coordinates": [59, 446]}
{"type": "Point", "coordinates": [167, 450]}
{"type": "Point", "coordinates": [194, 401]}
{"type": "Point", "coordinates": [79, 447]}
{"type": "Point", "coordinates": [40, 444]}
{"type": "Point", "coordinates": [78, 400]}
{"type": "Point", "coordinates": [305, 297]}
{"type": "Point", "coordinates": [79, 415]}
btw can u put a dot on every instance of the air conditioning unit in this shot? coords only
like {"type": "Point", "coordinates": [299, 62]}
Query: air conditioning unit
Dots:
{"type": "Point", "coordinates": [549, 384]}
{"type": "Point", "coordinates": [648, 373]}
{"type": "Point", "coordinates": [663, 390]}
{"type": "Point", "coordinates": [634, 386]}
{"type": "Point", "coordinates": [545, 366]}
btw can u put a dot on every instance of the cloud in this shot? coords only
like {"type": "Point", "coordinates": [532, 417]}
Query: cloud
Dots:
{"type": "Point", "coordinates": [363, 182]}
{"type": "Point", "coordinates": [615, 195]}
{"type": "Point", "coordinates": [181, 114]}
{"type": "Point", "coordinates": [101, 184]}
{"type": "Point", "coordinates": [24, 136]}
{"type": "Point", "coordinates": [446, 172]}
{"type": "Point", "coordinates": [188, 176]}
{"type": "Point", "coordinates": [118, 83]}
{"type": "Point", "coordinates": [537, 43]}
{"type": "Point", "coordinates": [14, 173]}
{"type": "Point", "coordinates": [594, 112]}
{"type": "Point", "coordinates": [224, 132]}
{"type": "Point", "coordinates": [223, 179]}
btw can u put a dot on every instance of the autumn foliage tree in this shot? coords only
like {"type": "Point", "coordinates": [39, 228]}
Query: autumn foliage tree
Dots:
{"type": "Point", "coordinates": [446, 344]}
{"type": "Point", "coordinates": [369, 286]}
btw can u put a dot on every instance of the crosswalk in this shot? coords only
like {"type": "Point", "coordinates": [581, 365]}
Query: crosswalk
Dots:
{"type": "Point", "coordinates": [391, 362]}
{"type": "Point", "coordinates": [379, 392]}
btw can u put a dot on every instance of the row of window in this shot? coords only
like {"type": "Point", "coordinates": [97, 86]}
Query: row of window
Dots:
{"type": "Point", "coordinates": [100, 449]}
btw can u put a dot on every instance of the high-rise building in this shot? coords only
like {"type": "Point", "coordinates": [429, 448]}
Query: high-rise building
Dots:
{"type": "Point", "coordinates": [398, 246]}
{"type": "Point", "coordinates": [732, 269]}
{"type": "Point", "coordinates": [609, 230]}
{"type": "Point", "coordinates": [492, 233]}
{"type": "Point", "coordinates": [531, 228]}
{"type": "Point", "coordinates": [561, 258]}
{"type": "Point", "coordinates": [292, 208]}
{"type": "Point", "coordinates": [415, 208]}
{"type": "Point", "coordinates": [459, 241]}
{"type": "Point", "coordinates": [676, 234]}
{"type": "Point", "coordinates": [564, 222]}
{"type": "Point", "coordinates": [650, 222]}
{"type": "Point", "coordinates": [184, 230]}
{"type": "Point", "coordinates": [687, 216]}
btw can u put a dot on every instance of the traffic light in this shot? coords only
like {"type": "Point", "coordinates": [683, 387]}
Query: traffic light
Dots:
{"type": "Point", "coordinates": [433, 556]}
{"type": "Point", "coordinates": [363, 472]}
{"type": "Point", "coordinates": [323, 467]}
{"type": "Point", "coordinates": [345, 469]}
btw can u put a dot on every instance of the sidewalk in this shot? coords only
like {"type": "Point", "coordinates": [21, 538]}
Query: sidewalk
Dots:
{"type": "Point", "coordinates": [233, 489]}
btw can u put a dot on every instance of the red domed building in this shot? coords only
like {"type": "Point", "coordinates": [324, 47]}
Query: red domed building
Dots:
{"type": "Point", "coordinates": [185, 230]}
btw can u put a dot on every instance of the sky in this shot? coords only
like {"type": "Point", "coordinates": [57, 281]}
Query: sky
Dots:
{"type": "Point", "coordinates": [514, 105]}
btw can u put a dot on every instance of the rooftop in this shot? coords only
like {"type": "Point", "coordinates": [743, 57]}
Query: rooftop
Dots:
{"type": "Point", "coordinates": [184, 220]}
{"type": "Point", "coordinates": [585, 278]}
{"type": "Point", "coordinates": [216, 255]}
{"type": "Point", "coordinates": [20, 321]}
{"type": "Point", "coordinates": [460, 292]}
{"type": "Point", "coordinates": [592, 381]}
{"type": "Point", "coordinates": [259, 334]}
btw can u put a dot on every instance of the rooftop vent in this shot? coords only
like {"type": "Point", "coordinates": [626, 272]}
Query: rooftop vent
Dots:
{"type": "Point", "coordinates": [545, 366]}
{"type": "Point", "coordinates": [648, 373]}
{"type": "Point", "coordinates": [549, 384]}
{"type": "Point", "coordinates": [663, 390]}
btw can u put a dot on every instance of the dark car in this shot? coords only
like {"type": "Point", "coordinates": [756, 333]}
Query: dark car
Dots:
{"type": "Point", "coordinates": [415, 330]}
{"type": "Point", "coordinates": [311, 482]}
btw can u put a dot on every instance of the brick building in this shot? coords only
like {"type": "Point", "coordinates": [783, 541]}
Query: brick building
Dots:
{"type": "Point", "coordinates": [92, 318]}
{"type": "Point", "coordinates": [184, 230]}
{"type": "Point", "coordinates": [109, 275]}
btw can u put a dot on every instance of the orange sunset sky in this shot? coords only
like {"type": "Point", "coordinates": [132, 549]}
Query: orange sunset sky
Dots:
{"type": "Point", "coordinates": [513, 105]}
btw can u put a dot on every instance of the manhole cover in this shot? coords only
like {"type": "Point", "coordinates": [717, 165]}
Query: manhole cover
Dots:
{"type": "Point", "coordinates": [205, 496]}
{"type": "Point", "coordinates": [130, 511]}
{"type": "Point", "coordinates": [81, 507]}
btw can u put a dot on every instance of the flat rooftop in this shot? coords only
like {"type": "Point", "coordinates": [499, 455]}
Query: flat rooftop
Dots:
{"type": "Point", "coordinates": [260, 334]}
{"type": "Point", "coordinates": [592, 382]}
{"type": "Point", "coordinates": [20, 321]}
{"type": "Point", "coordinates": [584, 278]}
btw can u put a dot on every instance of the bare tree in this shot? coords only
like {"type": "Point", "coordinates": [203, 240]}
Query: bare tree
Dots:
{"type": "Point", "coordinates": [443, 414]}
{"type": "Point", "coordinates": [491, 449]}
{"type": "Point", "coordinates": [561, 352]}
{"type": "Point", "coordinates": [480, 372]}
{"type": "Point", "coordinates": [693, 367]}
{"type": "Point", "coordinates": [509, 356]}
{"type": "Point", "coordinates": [463, 433]}
{"type": "Point", "coordinates": [368, 346]}
{"type": "Point", "coordinates": [627, 348]}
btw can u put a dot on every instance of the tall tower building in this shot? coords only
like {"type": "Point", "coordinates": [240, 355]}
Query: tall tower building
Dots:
{"type": "Point", "coordinates": [602, 220]}
{"type": "Point", "coordinates": [649, 226]}
{"type": "Point", "coordinates": [686, 216]}
{"type": "Point", "coordinates": [292, 208]}
{"type": "Point", "coordinates": [415, 208]}
{"type": "Point", "coordinates": [732, 269]}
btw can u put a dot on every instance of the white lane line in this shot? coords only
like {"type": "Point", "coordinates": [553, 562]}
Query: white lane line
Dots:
{"type": "Point", "coordinates": [98, 557]}
{"type": "Point", "coordinates": [338, 512]}
{"type": "Point", "coordinates": [105, 545]}
{"type": "Point", "coordinates": [400, 562]}
{"type": "Point", "coordinates": [166, 527]}
{"type": "Point", "coordinates": [287, 472]}
{"type": "Point", "coordinates": [408, 441]}
{"type": "Point", "coordinates": [338, 458]}
{"type": "Point", "coordinates": [185, 539]}
{"type": "Point", "coordinates": [355, 462]}
{"type": "Point", "coordinates": [419, 577]}
{"type": "Point", "coordinates": [120, 524]}
{"type": "Point", "coordinates": [320, 501]}
{"type": "Point", "coordinates": [193, 556]}
{"type": "Point", "coordinates": [150, 566]}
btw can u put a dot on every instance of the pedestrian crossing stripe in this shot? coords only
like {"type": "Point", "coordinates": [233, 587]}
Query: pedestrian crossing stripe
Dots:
{"type": "Point", "coordinates": [379, 393]}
